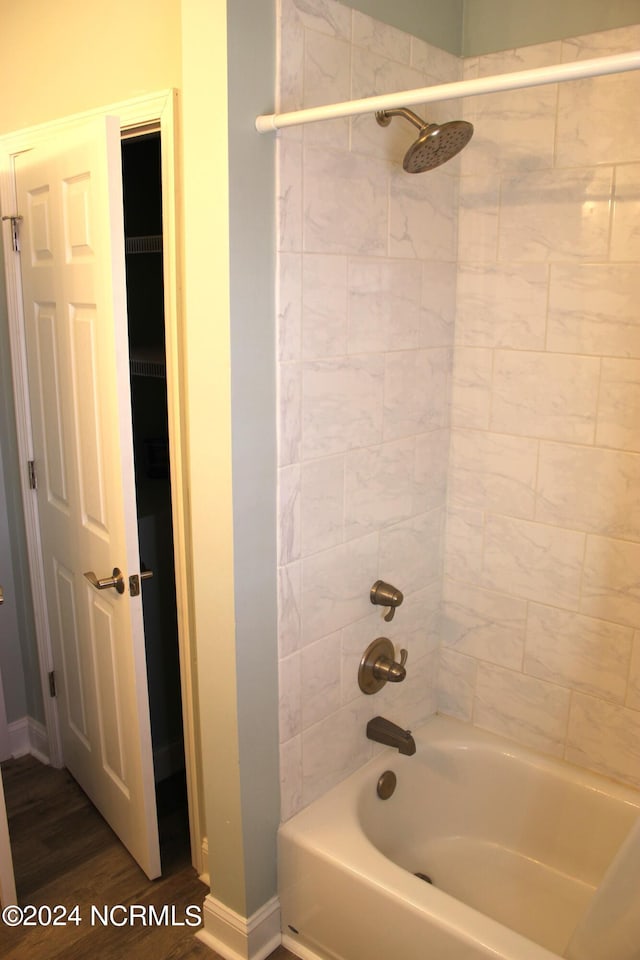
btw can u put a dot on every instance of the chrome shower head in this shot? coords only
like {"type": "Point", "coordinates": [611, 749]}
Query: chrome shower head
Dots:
{"type": "Point", "coordinates": [436, 143]}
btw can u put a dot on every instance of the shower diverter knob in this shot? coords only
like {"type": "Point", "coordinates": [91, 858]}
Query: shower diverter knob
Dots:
{"type": "Point", "coordinates": [378, 666]}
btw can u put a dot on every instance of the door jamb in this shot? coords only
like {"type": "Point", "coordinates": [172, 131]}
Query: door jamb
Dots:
{"type": "Point", "coordinates": [155, 111]}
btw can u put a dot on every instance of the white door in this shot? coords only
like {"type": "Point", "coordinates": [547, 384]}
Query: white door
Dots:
{"type": "Point", "coordinates": [69, 193]}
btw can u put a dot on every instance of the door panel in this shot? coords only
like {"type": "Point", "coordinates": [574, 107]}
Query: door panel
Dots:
{"type": "Point", "coordinates": [73, 281]}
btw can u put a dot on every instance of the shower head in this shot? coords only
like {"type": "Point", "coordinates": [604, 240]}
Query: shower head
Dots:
{"type": "Point", "coordinates": [436, 143]}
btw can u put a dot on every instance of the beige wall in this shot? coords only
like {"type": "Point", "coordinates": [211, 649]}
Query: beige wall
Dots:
{"type": "Point", "coordinates": [58, 59]}
{"type": "Point", "coordinates": [67, 58]}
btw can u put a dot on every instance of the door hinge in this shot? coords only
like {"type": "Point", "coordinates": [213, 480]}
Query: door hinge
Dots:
{"type": "Point", "coordinates": [15, 236]}
{"type": "Point", "coordinates": [52, 683]}
{"type": "Point", "coordinates": [33, 480]}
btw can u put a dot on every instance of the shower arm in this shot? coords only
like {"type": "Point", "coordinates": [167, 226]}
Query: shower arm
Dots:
{"type": "Point", "coordinates": [384, 117]}
{"type": "Point", "coordinates": [577, 70]}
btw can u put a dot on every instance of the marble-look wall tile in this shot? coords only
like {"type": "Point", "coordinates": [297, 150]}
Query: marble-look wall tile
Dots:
{"type": "Point", "coordinates": [486, 626]}
{"type": "Point", "coordinates": [490, 471]}
{"type": "Point", "coordinates": [502, 305]}
{"type": "Point", "coordinates": [464, 544]}
{"type": "Point", "coordinates": [588, 655]}
{"type": "Point", "coordinates": [324, 306]}
{"type": "Point", "coordinates": [411, 552]}
{"type": "Point", "coordinates": [289, 413]}
{"type": "Point", "coordinates": [545, 395]}
{"type": "Point", "coordinates": [334, 748]}
{"type": "Point", "coordinates": [288, 306]}
{"type": "Point", "coordinates": [381, 38]}
{"type": "Point", "coordinates": [526, 143]}
{"type": "Point", "coordinates": [289, 513]}
{"type": "Point", "coordinates": [379, 487]}
{"type": "Point", "coordinates": [345, 203]}
{"type": "Point", "coordinates": [420, 222]}
{"type": "Point", "coordinates": [601, 43]}
{"type": "Point", "coordinates": [289, 195]}
{"type": "Point", "coordinates": [610, 584]}
{"type": "Point", "coordinates": [604, 737]}
{"type": "Point", "coordinates": [416, 392]}
{"type": "Point", "coordinates": [522, 708]}
{"type": "Point", "coordinates": [435, 62]}
{"type": "Point", "coordinates": [625, 228]}
{"type": "Point", "coordinates": [456, 684]}
{"type": "Point", "coordinates": [320, 679]}
{"type": "Point", "coordinates": [602, 104]}
{"type": "Point", "coordinates": [619, 405]}
{"type": "Point", "coordinates": [289, 601]}
{"type": "Point", "coordinates": [384, 305]}
{"type": "Point", "coordinates": [365, 352]}
{"type": "Point", "coordinates": [593, 309]}
{"type": "Point", "coordinates": [431, 469]}
{"type": "Point", "coordinates": [342, 404]}
{"type": "Point", "coordinates": [325, 16]}
{"type": "Point", "coordinates": [556, 215]}
{"type": "Point", "coordinates": [327, 79]}
{"type": "Point", "coordinates": [519, 58]}
{"type": "Point", "coordinates": [290, 697]}
{"type": "Point", "coordinates": [589, 489]}
{"type": "Point", "coordinates": [478, 218]}
{"type": "Point", "coordinates": [290, 777]}
{"type": "Point", "coordinates": [420, 629]}
{"type": "Point", "coordinates": [322, 504]}
{"type": "Point", "coordinates": [546, 354]}
{"type": "Point", "coordinates": [419, 697]}
{"type": "Point", "coordinates": [335, 586]}
{"type": "Point", "coordinates": [471, 387]}
{"type": "Point", "coordinates": [438, 314]}
{"type": "Point", "coordinates": [290, 65]}
{"type": "Point", "coordinates": [514, 130]}
{"type": "Point", "coordinates": [533, 561]}
{"type": "Point", "coordinates": [373, 75]}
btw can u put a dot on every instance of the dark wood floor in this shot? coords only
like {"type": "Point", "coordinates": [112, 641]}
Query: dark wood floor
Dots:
{"type": "Point", "coordinates": [64, 853]}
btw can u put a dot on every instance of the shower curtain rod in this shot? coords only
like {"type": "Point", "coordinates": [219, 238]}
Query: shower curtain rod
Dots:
{"type": "Point", "coordinates": [577, 70]}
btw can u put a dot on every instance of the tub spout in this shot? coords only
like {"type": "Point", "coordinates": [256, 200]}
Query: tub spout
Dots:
{"type": "Point", "coordinates": [384, 731]}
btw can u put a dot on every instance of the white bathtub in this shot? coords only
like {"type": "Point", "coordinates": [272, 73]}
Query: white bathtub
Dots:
{"type": "Point", "coordinates": [515, 843]}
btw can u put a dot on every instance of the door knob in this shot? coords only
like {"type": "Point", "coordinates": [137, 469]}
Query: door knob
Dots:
{"type": "Point", "coordinates": [116, 580]}
{"type": "Point", "coordinates": [1, 595]}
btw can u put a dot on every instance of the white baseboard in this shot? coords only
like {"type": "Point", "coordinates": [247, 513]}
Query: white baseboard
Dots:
{"type": "Point", "coordinates": [29, 736]}
{"type": "Point", "coordinates": [241, 938]}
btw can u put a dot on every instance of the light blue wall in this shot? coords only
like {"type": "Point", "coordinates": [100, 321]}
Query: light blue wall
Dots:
{"type": "Point", "coordinates": [469, 27]}
{"type": "Point", "coordinates": [491, 25]}
{"type": "Point", "coordinates": [437, 21]}
{"type": "Point", "coordinates": [251, 51]}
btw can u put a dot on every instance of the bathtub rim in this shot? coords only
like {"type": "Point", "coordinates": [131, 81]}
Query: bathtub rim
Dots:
{"type": "Point", "coordinates": [315, 831]}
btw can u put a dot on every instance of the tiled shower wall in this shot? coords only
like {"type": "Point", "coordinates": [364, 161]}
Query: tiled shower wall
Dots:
{"type": "Point", "coordinates": [365, 317]}
{"type": "Point", "coordinates": [541, 628]}
{"type": "Point", "coordinates": [541, 631]}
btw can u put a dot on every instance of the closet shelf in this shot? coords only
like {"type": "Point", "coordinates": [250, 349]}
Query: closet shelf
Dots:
{"type": "Point", "coordinates": [147, 362]}
{"type": "Point", "coordinates": [150, 244]}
